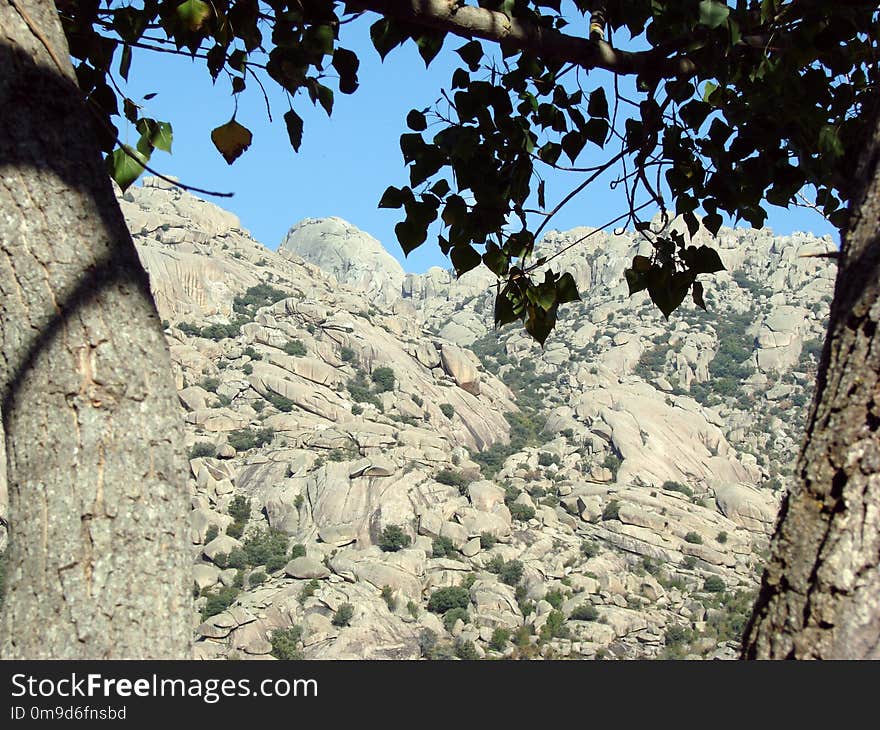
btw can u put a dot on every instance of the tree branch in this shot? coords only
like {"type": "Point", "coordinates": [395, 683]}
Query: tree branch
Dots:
{"type": "Point", "coordinates": [468, 21]}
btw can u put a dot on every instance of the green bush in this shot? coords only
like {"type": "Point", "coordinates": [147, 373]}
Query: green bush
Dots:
{"type": "Point", "coordinates": [247, 368]}
{"type": "Point", "coordinates": [261, 295]}
{"type": "Point", "coordinates": [722, 537]}
{"type": "Point", "coordinates": [452, 479]}
{"type": "Point", "coordinates": [297, 551]}
{"type": "Point", "coordinates": [487, 540]}
{"type": "Point", "coordinates": [2, 575]}
{"type": "Point", "coordinates": [246, 439]}
{"type": "Point", "coordinates": [511, 573]}
{"type": "Point", "coordinates": [343, 615]}
{"type": "Point", "coordinates": [555, 627]}
{"type": "Point", "coordinates": [281, 402]}
{"type": "Point", "coordinates": [452, 615]}
{"type": "Point", "coordinates": [295, 348]}
{"type": "Point", "coordinates": [240, 508]}
{"type": "Point", "coordinates": [689, 562]}
{"type": "Point", "coordinates": [220, 601]}
{"type": "Point", "coordinates": [611, 511]}
{"type": "Point", "coordinates": [384, 379]}
{"type": "Point", "coordinates": [388, 597]}
{"type": "Point", "coordinates": [670, 486]}
{"type": "Point", "coordinates": [309, 590]}
{"type": "Point", "coordinates": [346, 354]}
{"type": "Point", "coordinates": [466, 650]}
{"type": "Point", "coordinates": [265, 546]}
{"type": "Point", "coordinates": [545, 458]}
{"type": "Point", "coordinates": [417, 400]}
{"type": "Point", "coordinates": [236, 530]}
{"type": "Point", "coordinates": [612, 462]}
{"type": "Point", "coordinates": [211, 533]}
{"type": "Point", "coordinates": [256, 578]}
{"type": "Point", "coordinates": [521, 512]}
{"type": "Point", "coordinates": [444, 599]}
{"type": "Point", "coordinates": [554, 598]}
{"type": "Point", "coordinates": [210, 384]}
{"type": "Point", "coordinates": [693, 538]}
{"type": "Point", "coordinates": [442, 547]}
{"type": "Point", "coordinates": [714, 584]}
{"type": "Point", "coordinates": [585, 612]}
{"type": "Point", "coordinates": [202, 449]}
{"type": "Point", "coordinates": [285, 643]}
{"type": "Point", "coordinates": [427, 642]}
{"type": "Point", "coordinates": [356, 409]}
{"type": "Point", "coordinates": [589, 549]}
{"type": "Point", "coordinates": [393, 538]}
{"type": "Point", "coordinates": [448, 410]}
{"type": "Point", "coordinates": [500, 637]}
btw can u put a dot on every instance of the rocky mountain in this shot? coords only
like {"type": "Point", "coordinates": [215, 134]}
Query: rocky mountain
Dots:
{"type": "Point", "coordinates": [377, 473]}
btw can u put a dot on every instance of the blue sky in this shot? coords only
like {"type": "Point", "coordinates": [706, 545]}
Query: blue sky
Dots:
{"type": "Point", "coordinates": [346, 161]}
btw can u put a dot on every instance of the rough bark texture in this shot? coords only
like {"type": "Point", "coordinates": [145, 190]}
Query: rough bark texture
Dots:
{"type": "Point", "coordinates": [98, 557]}
{"type": "Point", "coordinates": [820, 596]}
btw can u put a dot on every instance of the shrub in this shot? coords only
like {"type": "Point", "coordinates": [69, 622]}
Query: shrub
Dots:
{"type": "Point", "coordinates": [2, 575]}
{"type": "Point", "coordinates": [211, 533]}
{"type": "Point", "coordinates": [670, 486]}
{"type": "Point", "coordinates": [265, 547]}
{"type": "Point", "coordinates": [245, 439]}
{"type": "Point", "coordinates": [689, 562]}
{"type": "Point", "coordinates": [295, 348]}
{"type": "Point", "coordinates": [555, 627]}
{"type": "Point", "coordinates": [285, 643]}
{"type": "Point", "coordinates": [487, 540]}
{"type": "Point", "coordinates": [384, 379]}
{"type": "Point", "coordinates": [545, 458]}
{"type": "Point", "coordinates": [554, 598]}
{"type": "Point", "coordinates": [448, 410]}
{"type": "Point", "coordinates": [427, 642]}
{"type": "Point", "coordinates": [722, 537]}
{"type": "Point", "coordinates": [511, 573]}
{"type": "Point", "coordinates": [388, 597]}
{"type": "Point", "coordinates": [451, 479]}
{"type": "Point", "coordinates": [500, 637]}
{"type": "Point", "coordinates": [417, 400]}
{"type": "Point", "coordinates": [261, 295]}
{"type": "Point", "coordinates": [343, 615]}
{"type": "Point", "coordinates": [393, 538]}
{"type": "Point", "coordinates": [676, 635]}
{"type": "Point", "coordinates": [611, 511]}
{"type": "Point", "coordinates": [210, 384]}
{"type": "Point", "coordinates": [309, 590]}
{"type": "Point", "coordinates": [356, 409]}
{"type": "Point", "coordinates": [466, 650]}
{"type": "Point", "coordinates": [298, 551]}
{"type": "Point", "coordinates": [443, 547]}
{"type": "Point", "coordinates": [452, 615]}
{"type": "Point", "coordinates": [219, 602]}
{"type": "Point", "coordinates": [346, 354]}
{"type": "Point", "coordinates": [281, 402]}
{"type": "Point", "coordinates": [589, 549]}
{"type": "Point", "coordinates": [236, 530]}
{"type": "Point", "coordinates": [202, 449]}
{"type": "Point", "coordinates": [714, 584]}
{"type": "Point", "coordinates": [612, 462]}
{"type": "Point", "coordinates": [521, 512]}
{"type": "Point", "coordinates": [693, 538]}
{"type": "Point", "coordinates": [444, 599]}
{"type": "Point", "coordinates": [256, 578]}
{"type": "Point", "coordinates": [247, 368]}
{"type": "Point", "coordinates": [240, 508]}
{"type": "Point", "coordinates": [585, 612]}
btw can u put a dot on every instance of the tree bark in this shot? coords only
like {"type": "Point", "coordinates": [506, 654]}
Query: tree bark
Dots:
{"type": "Point", "coordinates": [820, 594]}
{"type": "Point", "coordinates": [98, 560]}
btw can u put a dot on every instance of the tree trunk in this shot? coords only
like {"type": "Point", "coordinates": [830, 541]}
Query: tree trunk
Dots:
{"type": "Point", "coordinates": [820, 595]}
{"type": "Point", "coordinates": [98, 561]}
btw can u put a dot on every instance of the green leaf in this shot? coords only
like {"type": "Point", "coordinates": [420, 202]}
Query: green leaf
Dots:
{"type": "Point", "coordinates": [596, 130]}
{"type": "Point", "coordinates": [598, 104]}
{"type": "Point", "coordinates": [495, 260]}
{"type": "Point", "coordinates": [829, 142]}
{"type": "Point", "coordinates": [572, 144]}
{"type": "Point", "coordinates": [395, 197]}
{"type": "Point", "coordinates": [294, 129]}
{"type": "Point", "coordinates": [668, 290]}
{"type": "Point", "coordinates": [385, 36]}
{"type": "Point", "coordinates": [193, 14]}
{"type": "Point", "coordinates": [697, 293]}
{"type": "Point", "coordinates": [635, 280]}
{"type": "Point", "coordinates": [130, 109]}
{"type": "Point", "coordinates": [126, 168]}
{"type": "Point", "coordinates": [410, 236]}
{"type": "Point", "coordinates": [471, 53]}
{"type": "Point", "coordinates": [566, 289]}
{"type": "Point", "coordinates": [415, 120]}
{"type": "Point", "coordinates": [712, 222]}
{"type": "Point", "coordinates": [713, 13]}
{"type": "Point", "coordinates": [505, 309]}
{"type": "Point", "coordinates": [464, 259]}
{"type": "Point", "coordinates": [125, 61]}
{"type": "Point", "coordinates": [346, 64]}
{"type": "Point", "coordinates": [706, 260]}
{"type": "Point", "coordinates": [232, 139]}
{"type": "Point", "coordinates": [540, 322]}
{"type": "Point", "coordinates": [429, 43]}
